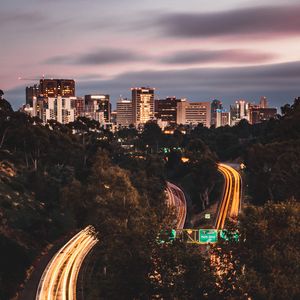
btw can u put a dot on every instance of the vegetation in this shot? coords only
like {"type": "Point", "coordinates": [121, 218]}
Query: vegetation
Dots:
{"type": "Point", "coordinates": [56, 179]}
{"type": "Point", "coordinates": [264, 263]}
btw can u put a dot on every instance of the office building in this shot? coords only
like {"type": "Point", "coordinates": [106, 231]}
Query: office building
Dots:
{"type": "Point", "coordinates": [166, 110]}
{"type": "Point", "coordinates": [78, 104]}
{"type": "Point", "coordinates": [60, 109]}
{"type": "Point", "coordinates": [57, 87]}
{"type": "Point", "coordinates": [239, 111]}
{"type": "Point", "coordinates": [142, 105]}
{"type": "Point", "coordinates": [263, 103]}
{"type": "Point", "coordinates": [222, 118]}
{"type": "Point", "coordinates": [98, 104]}
{"type": "Point", "coordinates": [113, 117]}
{"type": "Point", "coordinates": [31, 92]}
{"type": "Point", "coordinates": [215, 105]}
{"type": "Point", "coordinates": [258, 114]}
{"type": "Point", "coordinates": [194, 113]}
{"type": "Point", "coordinates": [124, 112]}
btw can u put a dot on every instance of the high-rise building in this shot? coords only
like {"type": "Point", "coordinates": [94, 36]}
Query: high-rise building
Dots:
{"type": "Point", "coordinates": [215, 105]}
{"type": "Point", "coordinates": [57, 87]}
{"type": "Point", "coordinates": [166, 109]}
{"type": "Point", "coordinates": [263, 103]}
{"type": "Point", "coordinates": [193, 113]}
{"type": "Point", "coordinates": [78, 104]}
{"type": "Point", "coordinates": [222, 118]}
{"type": "Point", "coordinates": [31, 92]}
{"type": "Point", "coordinates": [98, 103]}
{"type": "Point", "coordinates": [124, 112]}
{"type": "Point", "coordinates": [239, 111]}
{"type": "Point", "coordinates": [60, 109]}
{"type": "Point", "coordinates": [113, 117]}
{"type": "Point", "coordinates": [258, 114]}
{"type": "Point", "coordinates": [142, 104]}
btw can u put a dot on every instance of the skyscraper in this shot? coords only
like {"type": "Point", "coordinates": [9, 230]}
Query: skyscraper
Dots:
{"type": "Point", "coordinates": [31, 92]}
{"type": "Point", "coordinates": [263, 103]}
{"type": "Point", "coordinates": [57, 87]}
{"type": "Point", "coordinates": [222, 118]}
{"type": "Point", "coordinates": [193, 113]}
{"type": "Point", "coordinates": [166, 109]}
{"type": "Point", "coordinates": [258, 114]}
{"type": "Point", "coordinates": [124, 112]}
{"type": "Point", "coordinates": [79, 105]}
{"type": "Point", "coordinates": [60, 109]}
{"type": "Point", "coordinates": [215, 105]}
{"type": "Point", "coordinates": [98, 103]}
{"type": "Point", "coordinates": [142, 104]}
{"type": "Point", "coordinates": [239, 111]}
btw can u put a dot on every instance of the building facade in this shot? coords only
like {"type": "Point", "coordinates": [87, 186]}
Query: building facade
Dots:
{"type": "Point", "coordinates": [32, 92]}
{"type": "Point", "coordinates": [258, 114]}
{"type": "Point", "coordinates": [98, 103]}
{"type": "Point", "coordinates": [78, 104]}
{"type": "Point", "coordinates": [222, 118]}
{"type": "Point", "coordinates": [194, 113]}
{"type": "Point", "coordinates": [124, 112]}
{"type": "Point", "coordinates": [57, 87]}
{"type": "Point", "coordinates": [215, 105]}
{"type": "Point", "coordinates": [142, 105]}
{"type": "Point", "coordinates": [60, 109]}
{"type": "Point", "coordinates": [166, 110]}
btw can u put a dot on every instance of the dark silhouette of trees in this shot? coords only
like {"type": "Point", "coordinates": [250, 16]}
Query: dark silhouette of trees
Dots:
{"type": "Point", "coordinates": [264, 263]}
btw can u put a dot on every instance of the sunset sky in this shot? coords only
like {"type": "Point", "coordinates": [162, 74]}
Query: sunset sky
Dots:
{"type": "Point", "coordinates": [197, 49]}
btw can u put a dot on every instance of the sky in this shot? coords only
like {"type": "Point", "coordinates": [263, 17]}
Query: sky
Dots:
{"type": "Point", "coordinates": [195, 49]}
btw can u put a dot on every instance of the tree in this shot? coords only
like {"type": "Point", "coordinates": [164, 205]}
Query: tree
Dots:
{"type": "Point", "coordinates": [264, 263]}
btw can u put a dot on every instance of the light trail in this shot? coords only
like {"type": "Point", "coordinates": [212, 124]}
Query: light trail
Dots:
{"type": "Point", "coordinates": [177, 199]}
{"type": "Point", "coordinates": [59, 279]}
{"type": "Point", "coordinates": [232, 195]}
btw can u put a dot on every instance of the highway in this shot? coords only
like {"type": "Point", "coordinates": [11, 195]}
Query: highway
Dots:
{"type": "Point", "coordinates": [177, 199]}
{"type": "Point", "coordinates": [59, 279]}
{"type": "Point", "coordinates": [230, 204]}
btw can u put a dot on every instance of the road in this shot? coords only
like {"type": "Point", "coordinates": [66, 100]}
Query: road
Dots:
{"type": "Point", "coordinates": [177, 199]}
{"type": "Point", "coordinates": [230, 204]}
{"type": "Point", "coordinates": [59, 279]}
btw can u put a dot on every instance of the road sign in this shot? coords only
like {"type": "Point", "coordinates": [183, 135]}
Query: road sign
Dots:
{"type": "Point", "coordinates": [207, 216]}
{"type": "Point", "coordinates": [172, 235]}
{"type": "Point", "coordinates": [225, 235]}
{"type": "Point", "coordinates": [166, 236]}
{"type": "Point", "coordinates": [208, 235]}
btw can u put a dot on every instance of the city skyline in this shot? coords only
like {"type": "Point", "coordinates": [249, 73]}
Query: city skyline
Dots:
{"type": "Point", "coordinates": [200, 51]}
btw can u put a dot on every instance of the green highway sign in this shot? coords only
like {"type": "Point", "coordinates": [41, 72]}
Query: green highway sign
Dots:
{"type": "Point", "coordinates": [172, 235]}
{"type": "Point", "coordinates": [225, 235]}
{"type": "Point", "coordinates": [208, 235]}
{"type": "Point", "coordinates": [166, 236]}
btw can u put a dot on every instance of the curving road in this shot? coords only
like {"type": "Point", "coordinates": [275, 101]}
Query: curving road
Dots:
{"type": "Point", "coordinates": [230, 204]}
{"type": "Point", "coordinates": [59, 279]}
{"type": "Point", "coordinates": [177, 199]}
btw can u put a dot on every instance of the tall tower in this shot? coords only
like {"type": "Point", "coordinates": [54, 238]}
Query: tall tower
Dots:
{"type": "Point", "coordinates": [124, 112]}
{"type": "Point", "coordinates": [98, 103]}
{"type": "Point", "coordinates": [142, 104]}
{"type": "Point", "coordinates": [215, 106]}
{"type": "Point", "coordinates": [57, 87]}
{"type": "Point", "coordinates": [263, 103]}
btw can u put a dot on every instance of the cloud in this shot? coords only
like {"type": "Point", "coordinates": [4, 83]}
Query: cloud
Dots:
{"type": "Point", "coordinates": [268, 21]}
{"type": "Point", "coordinates": [8, 18]}
{"type": "Point", "coordinates": [99, 57]}
{"type": "Point", "coordinates": [206, 56]}
{"type": "Point", "coordinates": [279, 82]}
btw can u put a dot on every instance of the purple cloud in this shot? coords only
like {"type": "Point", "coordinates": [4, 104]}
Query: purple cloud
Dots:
{"type": "Point", "coordinates": [99, 57]}
{"type": "Point", "coordinates": [206, 56]}
{"type": "Point", "coordinates": [268, 21]}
